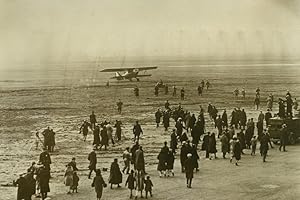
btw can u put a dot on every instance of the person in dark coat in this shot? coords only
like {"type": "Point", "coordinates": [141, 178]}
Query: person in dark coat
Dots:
{"type": "Point", "coordinates": [73, 164]}
{"type": "Point", "coordinates": [173, 142]}
{"type": "Point", "coordinates": [115, 177]}
{"type": "Point", "coordinates": [170, 163]}
{"type": "Point", "coordinates": [158, 116]}
{"type": "Point", "coordinates": [162, 160]}
{"type": "Point", "coordinates": [183, 137]}
{"type": "Point", "coordinates": [241, 138]}
{"type": "Point", "coordinates": [23, 192]}
{"type": "Point", "coordinates": [74, 187]}
{"type": "Point", "coordinates": [182, 94]}
{"type": "Point", "coordinates": [219, 125]}
{"type": "Point", "coordinates": [118, 126]}
{"type": "Point", "coordinates": [224, 119]}
{"type": "Point", "coordinates": [99, 184]}
{"type": "Point", "coordinates": [137, 131]}
{"type": "Point", "coordinates": [257, 102]}
{"type": "Point", "coordinates": [212, 149]}
{"type": "Point", "coordinates": [46, 134]}
{"type": "Point", "coordinates": [140, 160]}
{"type": "Point", "coordinates": [200, 90]}
{"type": "Point", "coordinates": [93, 120]}
{"type": "Point", "coordinates": [195, 157]}
{"type": "Point", "coordinates": [224, 145]}
{"type": "Point", "coordinates": [44, 182]}
{"type": "Point", "coordinates": [264, 146]}
{"type": "Point", "coordinates": [131, 181]}
{"type": "Point", "coordinates": [51, 141]}
{"type": "Point", "coordinates": [236, 150]}
{"type": "Point", "coordinates": [243, 118]}
{"type": "Point", "coordinates": [31, 183]}
{"type": "Point", "coordinates": [167, 105]}
{"type": "Point", "coordinates": [93, 162]}
{"type": "Point", "coordinates": [283, 137]}
{"type": "Point", "coordinates": [45, 159]}
{"type": "Point", "coordinates": [104, 138]}
{"type": "Point", "coordinates": [196, 133]}
{"type": "Point", "coordinates": [189, 170]}
{"type": "Point", "coordinates": [166, 120]}
{"type": "Point", "coordinates": [148, 186]}
{"type": "Point", "coordinates": [133, 150]}
{"type": "Point", "coordinates": [183, 155]}
{"type": "Point", "coordinates": [205, 144]}
{"type": "Point", "coordinates": [96, 133]}
{"type": "Point", "coordinates": [84, 129]}
{"type": "Point", "coordinates": [248, 137]}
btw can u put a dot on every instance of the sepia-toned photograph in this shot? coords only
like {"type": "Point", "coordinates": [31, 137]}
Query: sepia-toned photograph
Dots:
{"type": "Point", "coordinates": [149, 99]}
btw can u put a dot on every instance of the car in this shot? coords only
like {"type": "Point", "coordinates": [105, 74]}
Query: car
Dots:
{"type": "Point", "coordinates": [293, 126]}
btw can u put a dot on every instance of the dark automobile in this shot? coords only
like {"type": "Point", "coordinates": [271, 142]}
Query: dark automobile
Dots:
{"type": "Point", "coordinates": [293, 125]}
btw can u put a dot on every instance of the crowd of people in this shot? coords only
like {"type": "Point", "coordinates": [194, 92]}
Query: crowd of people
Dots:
{"type": "Point", "coordinates": [188, 132]}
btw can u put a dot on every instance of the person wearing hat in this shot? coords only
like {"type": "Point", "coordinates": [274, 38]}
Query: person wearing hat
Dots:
{"type": "Point", "coordinates": [137, 131]}
{"type": "Point", "coordinates": [115, 177]}
{"type": "Point", "coordinates": [96, 133]}
{"type": "Point", "coordinates": [189, 170]}
{"type": "Point", "coordinates": [93, 162]}
{"type": "Point", "coordinates": [73, 164]}
{"type": "Point", "coordinates": [93, 120]}
{"type": "Point", "coordinates": [99, 184]}
{"type": "Point", "coordinates": [283, 137]}
{"type": "Point", "coordinates": [236, 150]}
{"type": "Point", "coordinates": [45, 159]}
{"type": "Point", "coordinates": [183, 155]}
{"type": "Point", "coordinates": [264, 146]}
{"type": "Point", "coordinates": [173, 142]}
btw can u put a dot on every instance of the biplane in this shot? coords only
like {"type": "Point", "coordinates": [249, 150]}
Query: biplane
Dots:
{"type": "Point", "coordinates": [129, 73]}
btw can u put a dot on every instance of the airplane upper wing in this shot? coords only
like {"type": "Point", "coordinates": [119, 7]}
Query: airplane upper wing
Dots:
{"type": "Point", "coordinates": [128, 69]}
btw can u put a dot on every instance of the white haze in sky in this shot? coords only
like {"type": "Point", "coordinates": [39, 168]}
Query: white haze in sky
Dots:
{"type": "Point", "coordinates": [57, 30]}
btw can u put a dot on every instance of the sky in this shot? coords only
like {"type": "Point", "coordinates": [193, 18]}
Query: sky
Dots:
{"type": "Point", "coordinates": [37, 31]}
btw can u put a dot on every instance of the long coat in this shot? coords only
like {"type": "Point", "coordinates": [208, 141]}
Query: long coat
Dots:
{"type": "Point", "coordinates": [98, 183]}
{"type": "Point", "coordinates": [93, 160]}
{"type": "Point", "coordinates": [189, 168]}
{"type": "Point", "coordinates": [237, 150]}
{"type": "Point", "coordinates": [139, 160]}
{"type": "Point", "coordinates": [224, 143]}
{"type": "Point", "coordinates": [115, 174]}
{"type": "Point", "coordinates": [96, 136]}
{"type": "Point", "coordinates": [130, 181]}
{"type": "Point", "coordinates": [69, 176]}
{"type": "Point", "coordinates": [162, 160]}
{"type": "Point", "coordinates": [22, 188]}
{"type": "Point", "coordinates": [104, 137]}
{"type": "Point", "coordinates": [212, 144]}
{"type": "Point", "coordinates": [44, 181]}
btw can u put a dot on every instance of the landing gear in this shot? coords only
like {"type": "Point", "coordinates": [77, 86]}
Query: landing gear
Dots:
{"type": "Point", "coordinates": [137, 79]}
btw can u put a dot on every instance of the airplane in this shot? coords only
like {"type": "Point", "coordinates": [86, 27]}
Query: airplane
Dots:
{"type": "Point", "coordinates": [129, 73]}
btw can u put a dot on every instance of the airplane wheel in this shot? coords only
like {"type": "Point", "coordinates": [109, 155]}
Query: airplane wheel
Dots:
{"type": "Point", "coordinates": [138, 80]}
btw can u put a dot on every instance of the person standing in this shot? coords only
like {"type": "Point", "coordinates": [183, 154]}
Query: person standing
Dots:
{"type": "Point", "coordinates": [224, 145]}
{"type": "Point", "coordinates": [137, 131]}
{"type": "Point", "coordinates": [189, 170]}
{"type": "Point", "coordinates": [119, 106]}
{"type": "Point", "coordinates": [84, 129]}
{"type": "Point", "coordinates": [182, 94]}
{"type": "Point", "coordinates": [268, 116]}
{"type": "Point", "coordinates": [253, 145]}
{"type": "Point", "coordinates": [93, 120]}
{"type": "Point", "coordinates": [131, 181]}
{"type": "Point", "coordinates": [127, 160]}
{"type": "Point", "coordinates": [173, 142]}
{"type": "Point", "coordinates": [264, 146]}
{"type": "Point", "coordinates": [44, 182]}
{"type": "Point", "coordinates": [93, 162]}
{"type": "Point", "coordinates": [158, 116]}
{"type": "Point", "coordinates": [45, 159]}
{"type": "Point", "coordinates": [51, 140]}
{"type": "Point", "coordinates": [166, 89]}
{"type": "Point", "coordinates": [225, 119]}
{"type": "Point", "coordinates": [212, 149]}
{"type": "Point", "coordinates": [118, 127]}
{"type": "Point", "coordinates": [69, 178]}
{"type": "Point", "coordinates": [174, 91]}
{"type": "Point", "coordinates": [166, 120]}
{"type": "Point", "coordinates": [200, 91]}
{"type": "Point", "coordinates": [183, 156]}
{"type": "Point", "coordinates": [96, 133]}
{"type": "Point", "coordinates": [257, 102]}
{"type": "Point", "coordinates": [148, 186]}
{"type": "Point", "coordinates": [170, 163]}
{"type": "Point", "coordinates": [110, 130]}
{"type": "Point", "coordinates": [140, 160]}
{"type": "Point", "coordinates": [115, 177]}
{"type": "Point", "coordinates": [99, 184]}
{"type": "Point", "coordinates": [236, 150]}
{"type": "Point", "coordinates": [283, 137]}
{"type": "Point", "coordinates": [75, 182]}
{"type": "Point", "coordinates": [104, 138]}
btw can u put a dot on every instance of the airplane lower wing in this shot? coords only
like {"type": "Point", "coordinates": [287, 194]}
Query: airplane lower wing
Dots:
{"type": "Point", "coordinates": [143, 75]}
